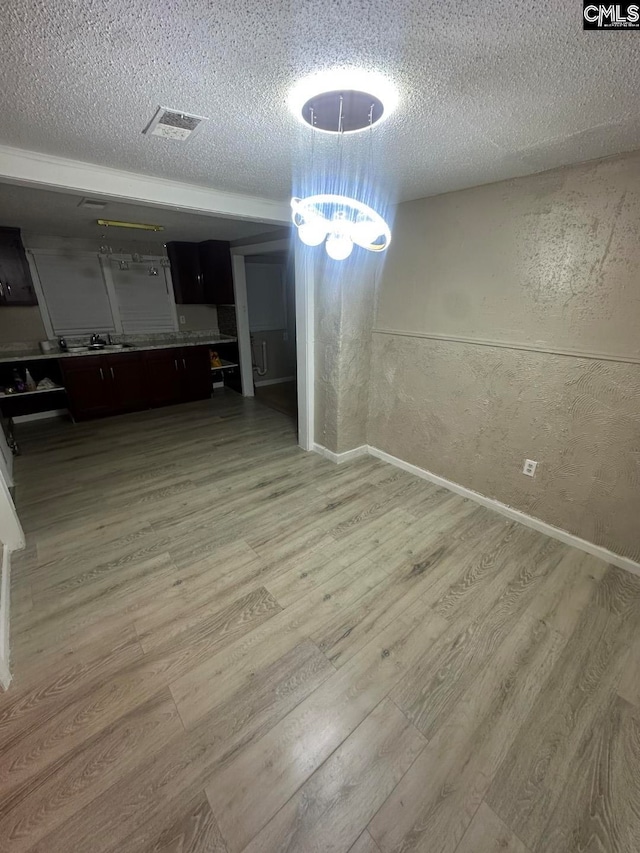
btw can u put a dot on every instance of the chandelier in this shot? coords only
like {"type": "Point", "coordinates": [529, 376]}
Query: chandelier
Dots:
{"type": "Point", "coordinates": [341, 103]}
{"type": "Point", "coordinates": [340, 222]}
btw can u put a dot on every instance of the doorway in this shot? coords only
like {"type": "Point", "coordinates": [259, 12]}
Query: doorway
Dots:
{"type": "Point", "coordinates": [271, 309]}
{"type": "Point", "coordinates": [296, 334]}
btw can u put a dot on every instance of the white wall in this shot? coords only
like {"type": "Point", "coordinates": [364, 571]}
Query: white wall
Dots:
{"type": "Point", "coordinates": [271, 318]}
{"type": "Point", "coordinates": [5, 579]}
{"type": "Point", "coordinates": [6, 460]}
{"type": "Point", "coordinates": [11, 539]}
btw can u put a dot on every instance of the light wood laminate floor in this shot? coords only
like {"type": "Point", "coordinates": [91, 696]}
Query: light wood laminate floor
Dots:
{"type": "Point", "coordinates": [283, 397]}
{"type": "Point", "coordinates": [222, 643]}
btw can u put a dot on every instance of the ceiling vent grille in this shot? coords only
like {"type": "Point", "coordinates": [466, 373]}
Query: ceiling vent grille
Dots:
{"type": "Point", "coordinates": [174, 124]}
{"type": "Point", "coordinates": [92, 204]}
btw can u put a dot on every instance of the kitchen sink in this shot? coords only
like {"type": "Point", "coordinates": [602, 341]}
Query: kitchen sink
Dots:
{"type": "Point", "coordinates": [105, 348]}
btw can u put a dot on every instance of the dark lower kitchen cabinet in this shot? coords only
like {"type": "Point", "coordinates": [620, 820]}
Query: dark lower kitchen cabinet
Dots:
{"type": "Point", "coordinates": [178, 375]}
{"type": "Point", "coordinates": [162, 377]}
{"type": "Point", "coordinates": [196, 366]}
{"type": "Point", "coordinates": [101, 385]}
{"type": "Point", "coordinates": [111, 384]}
{"type": "Point", "coordinates": [89, 386]}
{"type": "Point", "coordinates": [127, 374]}
{"type": "Point", "coordinates": [16, 287]}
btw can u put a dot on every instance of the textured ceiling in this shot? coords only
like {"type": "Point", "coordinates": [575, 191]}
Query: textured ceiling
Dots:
{"type": "Point", "coordinates": [58, 215]}
{"type": "Point", "coordinates": [487, 90]}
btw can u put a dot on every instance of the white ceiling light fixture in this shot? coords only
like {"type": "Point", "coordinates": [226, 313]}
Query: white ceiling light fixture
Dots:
{"type": "Point", "coordinates": [340, 103]}
{"type": "Point", "coordinates": [315, 89]}
{"type": "Point", "coordinates": [340, 221]}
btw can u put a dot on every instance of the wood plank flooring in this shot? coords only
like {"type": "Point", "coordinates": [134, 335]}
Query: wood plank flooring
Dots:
{"type": "Point", "coordinates": [221, 644]}
{"type": "Point", "coordinates": [282, 397]}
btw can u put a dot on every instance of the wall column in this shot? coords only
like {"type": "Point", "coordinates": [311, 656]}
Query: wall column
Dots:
{"type": "Point", "coordinates": [345, 297]}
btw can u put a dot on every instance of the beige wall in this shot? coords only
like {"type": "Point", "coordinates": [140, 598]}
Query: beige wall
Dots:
{"type": "Point", "coordinates": [508, 327]}
{"type": "Point", "coordinates": [197, 317]}
{"type": "Point", "coordinates": [18, 325]}
{"type": "Point", "coordinates": [21, 325]}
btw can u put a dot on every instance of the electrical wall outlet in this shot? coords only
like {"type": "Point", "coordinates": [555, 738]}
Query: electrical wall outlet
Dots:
{"type": "Point", "coordinates": [529, 467]}
{"type": "Point", "coordinates": [182, 319]}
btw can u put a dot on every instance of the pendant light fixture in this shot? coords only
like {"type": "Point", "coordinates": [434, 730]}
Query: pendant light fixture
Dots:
{"type": "Point", "coordinates": [341, 103]}
{"type": "Point", "coordinates": [340, 222]}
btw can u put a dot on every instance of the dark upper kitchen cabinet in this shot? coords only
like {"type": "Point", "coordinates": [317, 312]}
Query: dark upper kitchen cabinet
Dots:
{"type": "Point", "coordinates": [201, 272]}
{"type": "Point", "coordinates": [16, 286]}
{"type": "Point", "coordinates": [217, 277]}
{"type": "Point", "coordinates": [186, 273]}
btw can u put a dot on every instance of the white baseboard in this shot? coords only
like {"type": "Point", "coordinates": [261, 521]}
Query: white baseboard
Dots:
{"type": "Point", "coordinates": [509, 511]}
{"type": "Point", "coordinates": [260, 383]}
{"type": "Point", "coordinates": [5, 676]}
{"type": "Point", "coordinates": [5, 673]}
{"type": "Point", "coordinates": [338, 458]}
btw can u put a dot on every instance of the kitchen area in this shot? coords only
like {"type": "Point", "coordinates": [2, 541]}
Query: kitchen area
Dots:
{"type": "Point", "coordinates": [102, 379]}
{"type": "Point", "coordinates": [95, 323]}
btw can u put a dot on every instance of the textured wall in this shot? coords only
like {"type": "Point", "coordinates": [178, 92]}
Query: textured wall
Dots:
{"type": "Point", "coordinates": [328, 325]}
{"type": "Point", "coordinates": [344, 306]}
{"type": "Point", "coordinates": [473, 414]}
{"type": "Point", "coordinates": [508, 329]}
{"type": "Point", "coordinates": [549, 260]}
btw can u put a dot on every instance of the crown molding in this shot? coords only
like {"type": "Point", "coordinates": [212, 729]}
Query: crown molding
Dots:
{"type": "Point", "coordinates": [31, 168]}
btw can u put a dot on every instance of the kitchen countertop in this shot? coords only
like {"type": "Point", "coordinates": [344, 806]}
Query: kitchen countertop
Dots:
{"type": "Point", "coordinates": [7, 356]}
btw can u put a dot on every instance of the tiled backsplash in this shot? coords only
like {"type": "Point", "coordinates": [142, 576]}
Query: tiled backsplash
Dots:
{"type": "Point", "coordinates": [227, 320]}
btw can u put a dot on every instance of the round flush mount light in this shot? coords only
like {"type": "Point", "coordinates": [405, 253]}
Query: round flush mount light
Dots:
{"type": "Point", "coordinates": [343, 100]}
{"type": "Point", "coordinates": [342, 111]}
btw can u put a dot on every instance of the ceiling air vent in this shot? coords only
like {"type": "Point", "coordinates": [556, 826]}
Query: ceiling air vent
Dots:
{"type": "Point", "coordinates": [92, 204]}
{"type": "Point", "coordinates": [174, 124]}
